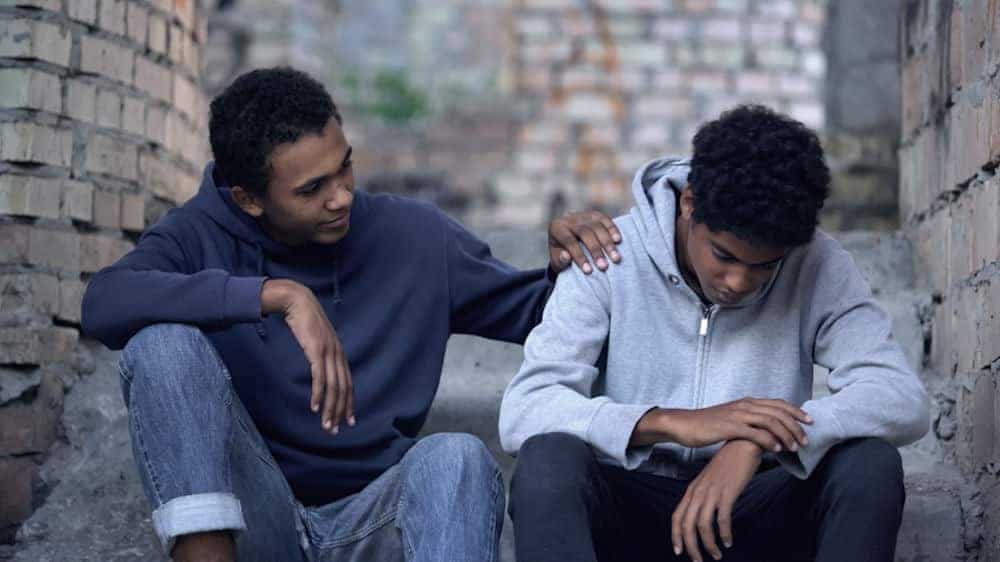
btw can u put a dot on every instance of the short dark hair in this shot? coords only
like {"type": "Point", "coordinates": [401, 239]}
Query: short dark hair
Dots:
{"type": "Point", "coordinates": [759, 175]}
{"type": "Point", "coordinates": [259, 111]}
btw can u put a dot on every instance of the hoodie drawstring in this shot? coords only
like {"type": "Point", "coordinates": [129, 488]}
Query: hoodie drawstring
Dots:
{"type": "Point", "coordinates": [261, 329]}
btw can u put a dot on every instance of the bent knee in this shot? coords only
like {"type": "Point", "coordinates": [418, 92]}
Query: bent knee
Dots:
{"type": "Point", "coordinates": [162, 342]}
{"type": "Point", "coordinates": [868, 471]}
{"type": "Point", "coordinates": [458, 450]}
{"type": "Point", "coordinates": [553, 463]}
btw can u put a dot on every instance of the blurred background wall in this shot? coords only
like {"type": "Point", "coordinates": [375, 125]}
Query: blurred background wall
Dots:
{"type": "Point", "coordinates": [510, 112]}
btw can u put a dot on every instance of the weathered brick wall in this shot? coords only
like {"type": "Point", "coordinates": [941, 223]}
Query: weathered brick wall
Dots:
{"type": "Point", "coordinates": [612, 84]}
{"type": "Point", "coordinates": [101, 128]}
{"type": "Point", "coordinates": [949, 206]}
{"type": "Point", "coordinates": [863, 114]}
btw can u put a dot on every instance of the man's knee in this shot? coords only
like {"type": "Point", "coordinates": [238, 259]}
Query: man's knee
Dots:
{"type": "Point", "coordinates": [458, 455]}
{"type": "Point", "coordinates": [867, 470]}
{"type": "Point", "coordinates": [552, 465]}
{"type": "Point", "coordinates": [169, 357]}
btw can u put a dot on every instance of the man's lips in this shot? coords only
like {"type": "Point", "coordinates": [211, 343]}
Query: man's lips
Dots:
{"type": "Point", "coordinates": [337, 222]}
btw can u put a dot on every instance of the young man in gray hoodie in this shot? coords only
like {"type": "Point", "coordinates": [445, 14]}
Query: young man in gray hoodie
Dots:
{"type": "Point", "coordinates": [664, 409]}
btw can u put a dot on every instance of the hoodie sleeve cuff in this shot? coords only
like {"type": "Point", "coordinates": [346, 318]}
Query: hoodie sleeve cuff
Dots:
{"type": "Point", "coordinates": [823, 434]}
{"type": "Point", "coordinates": [611, 430]}
{"type": "Point", "coordinates": [242, 299]}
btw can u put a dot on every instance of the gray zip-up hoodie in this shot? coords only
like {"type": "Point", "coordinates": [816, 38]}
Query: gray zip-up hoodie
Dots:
{"type": "Point", "coordinates": [663, 348]}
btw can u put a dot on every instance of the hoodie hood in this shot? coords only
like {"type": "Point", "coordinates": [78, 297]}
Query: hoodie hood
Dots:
{"type": "Point", "coordinates": [655, 188]}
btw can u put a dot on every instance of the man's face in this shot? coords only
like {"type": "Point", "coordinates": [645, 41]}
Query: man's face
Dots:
{"type": "Point", "coordinates": [729, 270]}
{"type": "Point", "coordinates": [311, 191]}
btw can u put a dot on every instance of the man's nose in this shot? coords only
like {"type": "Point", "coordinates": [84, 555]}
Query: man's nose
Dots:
{"type": "Point", "coordinates": [739, 281]}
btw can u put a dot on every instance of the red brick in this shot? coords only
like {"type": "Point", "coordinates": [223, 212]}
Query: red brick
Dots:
{"type": "Point", "coordinates": [107, 209]}
{"type": "Point", "coordinates": [14, 249]}
{"type": "Point", "coordinates": [31, 428]}
{"type": "Point", "coordinates": [955, 46]}
{"type": "Point", "coordinates": [18, 478]}
{"type": "Point", "coordinates": [70, 297]}
{"type": "Point", "coordinates": [112, 16]}
{"type": "Point", "coordinates": [98, 252]}
{"type": "Point", "coordinates": [35, 40]}
{"type": "Point", "coordinates": [98, 56]}
{"type": "Point", "coordinates": [986, 209]}
{"type": "Point", "coordinates": [961, 240]}
{"type": "Point", "coordinates": [54, 248]}
{"type": "Point", "coordinates": [137, 20]}
{"type": "Point", "coordinates": [112, 156]}
{"type": "Point", "coordinates": [36, 291]}
{"type": "Point", "coordinates": [133, 213]}
{"type": "Point", "coordinates": [29, 142]}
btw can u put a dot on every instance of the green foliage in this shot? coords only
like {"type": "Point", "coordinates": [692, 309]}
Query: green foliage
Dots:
{"type": "Point", "coordinates": [389, 96]}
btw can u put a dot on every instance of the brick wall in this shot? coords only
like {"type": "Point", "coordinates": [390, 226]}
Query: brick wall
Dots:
{"type": "Point", "coordinates": [612, 84]}
{"type": "Point", "coordinates": [101, 128]}
{"type": "Point", "coordinates": [863, 114]}
{"type": "Point", "coordinates": [949, 206]}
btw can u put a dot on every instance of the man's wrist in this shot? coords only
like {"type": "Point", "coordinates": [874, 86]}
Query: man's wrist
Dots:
{"type": "Point", "coordinates": [656, 426]}
{"type": "Point", "coordinates": [747, 447]}
{"type": "Point", "coordinates": [276, 295]}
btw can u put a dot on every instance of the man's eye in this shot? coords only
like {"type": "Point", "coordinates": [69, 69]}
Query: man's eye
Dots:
{"type": "Point", "coordinates": [347, 165]}
{"type": "Point", "coordinates": [722, 258]}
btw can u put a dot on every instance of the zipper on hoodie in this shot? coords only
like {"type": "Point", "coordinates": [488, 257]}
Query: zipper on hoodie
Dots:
{"type": "Point", "coordinates": [700, 366]}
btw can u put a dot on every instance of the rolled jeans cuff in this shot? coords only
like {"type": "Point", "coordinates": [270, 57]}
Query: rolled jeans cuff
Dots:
{"type": "Point", "coordinates": [197, 513]}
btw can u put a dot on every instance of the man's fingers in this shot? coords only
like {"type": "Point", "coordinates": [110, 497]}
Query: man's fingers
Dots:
{"type": "Point", "coordinates": [794, 411]}
{"type": "Point", "coordinates": [725, 520]}
{"type": "Point", "coordinates": [775, 427]}
{"type": "Point", "coordinates": [604, 238]}
{"type": "Point", "coordinates": [347, 385]}
{"type": "Point", "coordinates": [559, 259]}
{"type": "Point", "coordinates": [762, 438]}
{"type": "Point", "coordinates": [317, 386]}
{"type": "Point", "coordinates": [329, 398]}
{"type": "Point", "coordinates": [676, 520]}
{"type": "Point", "coordinates": [566, 242]}
{"type": "Point", "coordinates": [339, 400]}
{"type": "Point", "coordinates": [616, 235]}
{"type": "Point", "coordinates": [791, 423]}
{"type": "Point", "coordinates": [689, 529]}
{"type": "Point", "coordinates": [590, 238]}
{"type": "Point", "coordinates": [706, 530]}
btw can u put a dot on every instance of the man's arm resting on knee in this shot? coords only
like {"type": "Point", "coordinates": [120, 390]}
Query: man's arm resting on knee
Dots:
{"type": "Point", "coordinates": [158, 282]}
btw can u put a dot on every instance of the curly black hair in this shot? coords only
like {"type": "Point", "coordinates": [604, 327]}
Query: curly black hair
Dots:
{"type": "Point", "coordinates": [259, 111]}
{"type": "Point", "coordinates": [760, 176]}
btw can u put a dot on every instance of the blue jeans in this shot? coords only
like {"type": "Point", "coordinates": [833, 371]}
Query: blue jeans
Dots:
{"type": "Point", "coordinates": [205, 467]}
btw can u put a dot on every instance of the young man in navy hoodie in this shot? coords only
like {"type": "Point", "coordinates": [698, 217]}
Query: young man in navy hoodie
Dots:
{"type": "Point", "coordinates": [283, 340]}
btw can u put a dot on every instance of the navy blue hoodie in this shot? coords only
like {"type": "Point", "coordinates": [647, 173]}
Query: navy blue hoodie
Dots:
{"type": "Point", "coordinates": [395, 288]}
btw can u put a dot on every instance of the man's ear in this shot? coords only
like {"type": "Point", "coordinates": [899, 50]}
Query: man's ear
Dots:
{"type": "Point", "coordinates": [247, 201]}
{"type": "Point", "coordinates": [687, 203]}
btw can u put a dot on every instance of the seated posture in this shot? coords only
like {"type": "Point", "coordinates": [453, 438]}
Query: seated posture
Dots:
{"type": "Point", "coordinates": [283, 340]}
{"type": "Point", "coordinates": [664, 410]}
